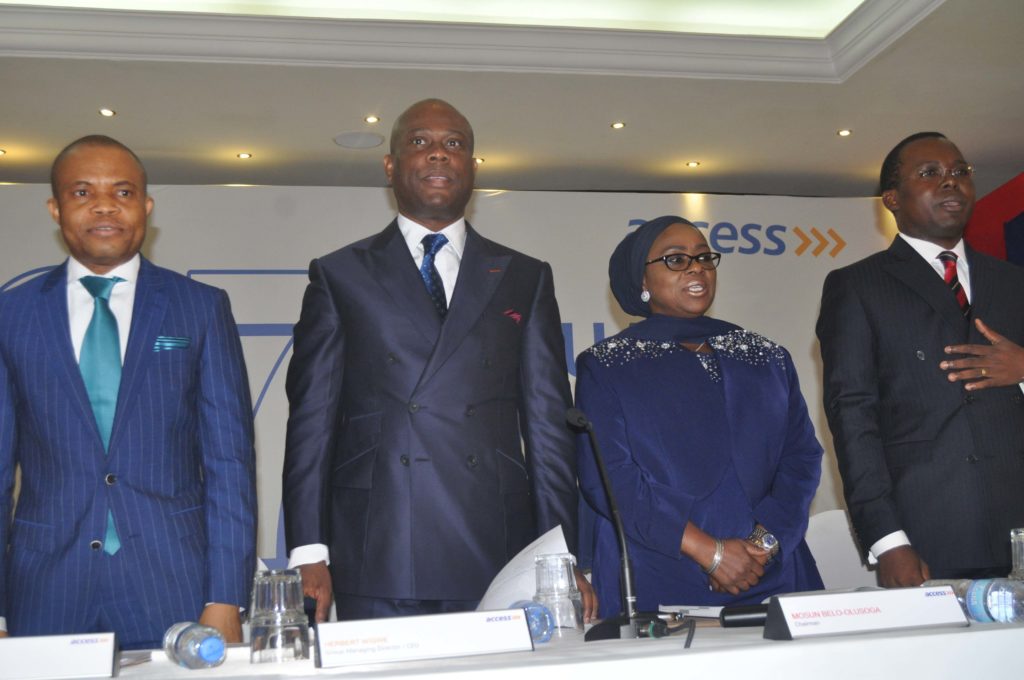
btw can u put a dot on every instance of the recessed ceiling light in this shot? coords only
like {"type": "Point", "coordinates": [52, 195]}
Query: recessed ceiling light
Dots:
{"type": "Point", "coordinates": [478, 161]}
{"type": "Point", "coordinates": [244, 156]}
{"type": "Point", "coordinates": [692, 164]}
{"type": "Point", "coordinates": [3, 152]}
{"type": "Point", "coordinates": [618, 125]}
{"type": "Point", "coordinates": [844, 132]}
{"type": "Point", "coordinates": [372, 119]}
{"type": "Point", "coordinates": [108, 113]}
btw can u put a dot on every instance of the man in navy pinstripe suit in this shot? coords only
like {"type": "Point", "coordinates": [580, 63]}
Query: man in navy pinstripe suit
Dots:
{"type": "Point", "coordinates": [133, 522]}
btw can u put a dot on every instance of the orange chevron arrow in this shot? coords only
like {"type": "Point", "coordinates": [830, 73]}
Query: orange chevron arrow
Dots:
{"type": "Point", "coordinates": [804, 241]}
{"type": "Point", "coordinates": [840, 243]}
{"type": "Point", "coordinates": [822, 242]}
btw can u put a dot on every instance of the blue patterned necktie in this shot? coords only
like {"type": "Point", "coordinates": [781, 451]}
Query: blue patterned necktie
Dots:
{"type": "Point", "coordinates": [100, 364]}
{"type": "Point", "coordinates": [428, 272]}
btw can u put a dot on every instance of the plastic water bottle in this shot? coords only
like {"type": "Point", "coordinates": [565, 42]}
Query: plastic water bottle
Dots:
{"type": "Point", "coordinates": [988, 600]}
{"type": "Point", "coordinates": [539, 619]}
{"type": "Point", "coordinates": [194, 645]}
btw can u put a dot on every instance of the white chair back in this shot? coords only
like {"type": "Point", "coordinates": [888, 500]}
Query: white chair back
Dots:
{"type": "Point", "coordinates": [831, 542]}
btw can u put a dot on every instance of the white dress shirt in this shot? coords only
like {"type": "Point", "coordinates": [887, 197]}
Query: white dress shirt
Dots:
{"type": "Point", "coordinates": [447, 261]}
{"type": "Point", "coordinates": [930, 252]}
{"type": "Point", "coordinates": [81, 303]}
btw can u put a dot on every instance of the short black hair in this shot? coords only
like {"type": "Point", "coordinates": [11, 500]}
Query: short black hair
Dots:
{"type": "Point", "coordinates": [92, 140]}
{"type": "Point", "coordinates": [889, 178]}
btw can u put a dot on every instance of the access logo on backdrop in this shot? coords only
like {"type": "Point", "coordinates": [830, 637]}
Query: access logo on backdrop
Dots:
{"type": "Point", "coordinates": [773, 239]}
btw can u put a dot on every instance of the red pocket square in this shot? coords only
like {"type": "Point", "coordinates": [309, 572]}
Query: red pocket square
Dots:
{"type": "Point", "coordinates": [514, 315]}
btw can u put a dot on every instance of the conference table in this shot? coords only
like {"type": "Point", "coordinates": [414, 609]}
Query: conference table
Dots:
{"type": "Point", "coordinates": [975, 652]}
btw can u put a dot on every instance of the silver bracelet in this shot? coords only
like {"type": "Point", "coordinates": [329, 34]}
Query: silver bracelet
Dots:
{"type": "Point", "coordinates": [717, 559]}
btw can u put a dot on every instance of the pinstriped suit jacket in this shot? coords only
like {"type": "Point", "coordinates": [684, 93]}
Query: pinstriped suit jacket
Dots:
{"type": "Point", "coordinates": [917, 452]}
{"type": "Point", "coordinates": [179, 477]}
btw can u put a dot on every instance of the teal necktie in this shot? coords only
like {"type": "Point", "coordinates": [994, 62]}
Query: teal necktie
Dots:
{"type": "Point", "coordinates": [100, 364]}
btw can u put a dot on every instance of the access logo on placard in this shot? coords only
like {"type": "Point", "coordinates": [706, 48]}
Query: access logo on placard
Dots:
{"type": "Point", "coordinates": [774, 239]}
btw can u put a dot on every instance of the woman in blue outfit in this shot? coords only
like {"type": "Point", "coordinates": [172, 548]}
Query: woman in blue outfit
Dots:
{"type": "Point", "coordinates": [705, 434]}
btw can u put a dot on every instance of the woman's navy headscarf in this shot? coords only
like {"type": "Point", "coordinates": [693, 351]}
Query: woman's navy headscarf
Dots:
{"type": "Point", "coordinates": [627, 265]}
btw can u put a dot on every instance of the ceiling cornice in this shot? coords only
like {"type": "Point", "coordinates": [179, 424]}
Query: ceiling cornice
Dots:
{"type": "Point", "coordinates": [214, 38]}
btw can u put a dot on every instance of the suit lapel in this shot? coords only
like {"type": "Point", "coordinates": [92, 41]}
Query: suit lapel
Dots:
{"type": "Point", "coordinates": [147, 315]}
{"type": "Point", "coordinates": [983, 291]}
{"type": "Point", "coordinates": [480, 272]}
{"type": "Point", "coordinates": [906, 265]}
{"type": "Point", "coordinates": [56, 331]}
{"type": "Point", "coordinates": [391, 265]}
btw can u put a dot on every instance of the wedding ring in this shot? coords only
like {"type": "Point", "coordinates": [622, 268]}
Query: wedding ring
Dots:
{"type": "Point", "coordinates": [983, 373]}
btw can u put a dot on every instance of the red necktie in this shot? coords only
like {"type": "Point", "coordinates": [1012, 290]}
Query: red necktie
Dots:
{"type": "Point", "coordinates": [948, 258]}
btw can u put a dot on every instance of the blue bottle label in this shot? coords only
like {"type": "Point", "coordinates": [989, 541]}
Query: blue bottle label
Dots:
{"type": "Point", "coordinates": [975, 601]}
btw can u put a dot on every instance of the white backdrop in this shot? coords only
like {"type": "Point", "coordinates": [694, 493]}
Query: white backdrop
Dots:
{"type": "Point", "coordinates": [256, 242]}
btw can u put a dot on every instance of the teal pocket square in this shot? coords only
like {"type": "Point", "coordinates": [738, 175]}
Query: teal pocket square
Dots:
{"type": "Point", "coordinates": [166, 342]}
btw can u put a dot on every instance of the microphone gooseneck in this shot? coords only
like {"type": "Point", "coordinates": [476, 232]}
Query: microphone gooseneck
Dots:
{"type": "Point", "coordinates": [627, 618]}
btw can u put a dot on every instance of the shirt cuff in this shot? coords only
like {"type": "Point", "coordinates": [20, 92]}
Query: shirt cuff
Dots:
{"type": "Point", "coordinates": [887, 542]}
{"type": "Point", "coordinates": [3, 623]}
{"type": "Point", "coordinates": [308, 554]}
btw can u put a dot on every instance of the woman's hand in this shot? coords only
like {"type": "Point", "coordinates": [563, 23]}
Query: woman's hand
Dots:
{"type": "Point", "coordinates": [741, 568]}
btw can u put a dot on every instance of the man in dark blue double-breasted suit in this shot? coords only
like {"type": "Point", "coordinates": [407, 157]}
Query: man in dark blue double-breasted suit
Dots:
{"type": "Point", "coordinates": [420, 365]}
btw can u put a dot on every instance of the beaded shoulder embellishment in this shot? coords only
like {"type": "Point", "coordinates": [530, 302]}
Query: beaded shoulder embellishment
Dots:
{"type": "Point", "coordinates": [745, 346]}
{"type": "Point", "coordinates": [621, 351]}
{"type": "Point", "coordinates": [749, 347]}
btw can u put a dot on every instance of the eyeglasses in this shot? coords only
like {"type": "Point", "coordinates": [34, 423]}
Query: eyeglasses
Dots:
{"type": "Point", "coordinates": [936, 173]}
{"type": "Point", "coordinates": [680, 262]}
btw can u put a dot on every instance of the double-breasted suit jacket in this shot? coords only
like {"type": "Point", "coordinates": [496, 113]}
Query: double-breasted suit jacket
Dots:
{"type": "Point", "coordinates": [406, 432]}
{"type": "Point", "coordinates": [179, 476]}
{"type": "Point", "coordinates": [916, 451]}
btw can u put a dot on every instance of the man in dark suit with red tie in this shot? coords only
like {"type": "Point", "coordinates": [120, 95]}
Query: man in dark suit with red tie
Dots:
{"type": "Point", "coordinates": [423, 356]}
{"type": "Point", "coordinates": [921, 391]}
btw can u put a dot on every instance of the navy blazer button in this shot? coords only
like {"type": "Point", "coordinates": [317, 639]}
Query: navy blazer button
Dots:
{"type": "Point", "coordinates": [404, 460]}
{"type": "Point", "coordinates": [110, 479]}
{"type": "Point", "coordinates": [969, 399]}
{"type": "Point", "coordinates": [972, 458]}
{"type": "Point", "coordinates": [470, 410]}
{"type": "Point", "coordinates": [920, 355]}
{"type": "Point", "coordinates": [96, 545]}
{"type": "Point", "coordinates": [413, 407]}
{"type": "Point", "coordinates": [471, 460]}
{"type": "Point", "coordinates": [392, 359]}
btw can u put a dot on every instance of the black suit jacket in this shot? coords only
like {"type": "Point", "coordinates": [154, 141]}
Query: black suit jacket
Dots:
{"type": "Point", "coordinates": [404, 437]}
{"type": "Point", "coordinates": [917, 452]}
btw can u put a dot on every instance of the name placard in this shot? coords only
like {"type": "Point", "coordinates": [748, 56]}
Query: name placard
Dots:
{"type": "Point", "coordinates": [434, 636]}
{"type": "Point", "coordinates": [57, 656]}
{"type": "Point", "coordinates": [862, 611]}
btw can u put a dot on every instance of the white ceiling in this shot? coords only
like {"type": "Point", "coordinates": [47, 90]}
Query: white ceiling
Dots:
{"type": "Point", "coordinates": [760, 114]}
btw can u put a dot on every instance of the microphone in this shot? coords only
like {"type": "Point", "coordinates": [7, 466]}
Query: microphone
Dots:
{"type": "Point", "coordinates": [629, 623]}
{"type": "Point", "coordinates": [743, 616]}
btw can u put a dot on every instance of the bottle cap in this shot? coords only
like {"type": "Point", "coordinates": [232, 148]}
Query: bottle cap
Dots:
{"type": "Point", "coordinates": [211, 649]}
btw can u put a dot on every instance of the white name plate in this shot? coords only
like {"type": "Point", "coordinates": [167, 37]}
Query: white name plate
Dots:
{"type": "Point", "coordinates": [863, 611]}
{"type": "Point", "coordinates": [407, 638]}
{"type": "Point", "coordinates": [57, 656]}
